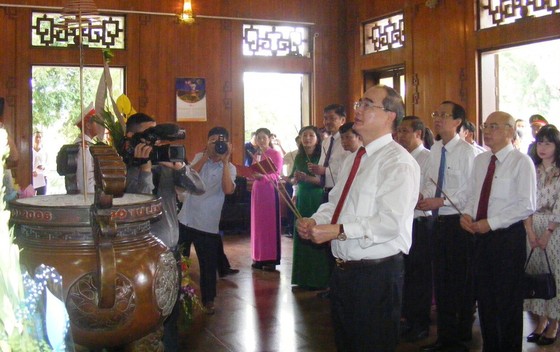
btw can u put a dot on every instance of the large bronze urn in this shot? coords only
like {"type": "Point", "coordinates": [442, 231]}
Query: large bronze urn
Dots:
{"type": "Point", "coordinates": [119, 281]}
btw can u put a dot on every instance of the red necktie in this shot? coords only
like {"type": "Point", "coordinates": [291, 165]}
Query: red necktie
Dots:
{"type": "Point", "coordinates": [353, 172]}
{"type": "Point", "coordinates": [482, 212]}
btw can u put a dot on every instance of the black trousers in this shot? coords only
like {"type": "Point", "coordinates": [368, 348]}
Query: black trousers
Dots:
{"type": "Point", "coordinates": [170, 327]}
{"type": "Point", "coordinates": [499, 265]}
{"type": "Point", "coordinates": [206, 246]}
{"type": "Point", "coordinates": [366, 306]}
{"type": "Point", "coordinates": [453, 254]}
{"type": "Point", "coordinates": [418, 278]}
{"type": "Point", "coordinates": [185, 242]}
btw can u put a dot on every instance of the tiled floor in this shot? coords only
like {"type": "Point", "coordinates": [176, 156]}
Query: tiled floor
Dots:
{"type": "Point", "coordinates": [259, 311]}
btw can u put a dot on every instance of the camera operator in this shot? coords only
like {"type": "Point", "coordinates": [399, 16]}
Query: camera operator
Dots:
{"type": "Point", "coordinates": [200, 216]}
{"type": "Point", "coordinates": [161, 179]}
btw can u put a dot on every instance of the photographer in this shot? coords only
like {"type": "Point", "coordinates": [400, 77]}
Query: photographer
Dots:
{"type": "Point", "coordinates": [145, 175]}
{"type": "Point", "coordinates": [200, 216]}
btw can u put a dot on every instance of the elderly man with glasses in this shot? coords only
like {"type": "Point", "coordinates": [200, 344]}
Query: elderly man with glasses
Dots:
{"type": "Point", "coordinates": [503, 194]}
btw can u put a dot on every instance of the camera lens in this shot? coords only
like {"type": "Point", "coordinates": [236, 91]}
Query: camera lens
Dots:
{"type": "Point", "coordinates": [220, 146]}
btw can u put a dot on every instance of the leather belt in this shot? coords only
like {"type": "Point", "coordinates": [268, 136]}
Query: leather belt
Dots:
{"type": "Point", "coordinates": [364, 263]}
{"type": "Point", "coordinates": [444, 218]}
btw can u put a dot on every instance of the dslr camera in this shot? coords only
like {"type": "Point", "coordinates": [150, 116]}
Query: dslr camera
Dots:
{"type": "Point", "coordinates": [221, 145]}
{"type": "Point", "coordinates": [166, 152]}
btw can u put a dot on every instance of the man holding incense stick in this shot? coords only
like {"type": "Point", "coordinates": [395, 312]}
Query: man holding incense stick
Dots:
{"type": "Point", "coordinates": [332, 152]}
{"type": "Point", "coordinates": [445, 193]}
{"type": "Point", "coordinates": [368, 220]}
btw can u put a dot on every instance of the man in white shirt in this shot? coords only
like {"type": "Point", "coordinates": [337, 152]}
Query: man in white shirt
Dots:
{"type": "Point", "coordinates": [332, 153]}
{"type": "Point", "coordinates": [445, 193]}
{"type": "Point", "coordinates": [467, 134]}
{"type": "Point", "coordinates": [39, 165]}
{"type": "Point", "coordinates": [92, 132]}
{"type": "Point", "coordinates": [494, 214]}
{"type": "Point", "coordinates": [370, 229]}
{"type": "Point", "coordinates": [417, 292]}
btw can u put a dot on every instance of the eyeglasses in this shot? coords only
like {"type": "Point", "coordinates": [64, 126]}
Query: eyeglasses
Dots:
{"type": "Point", "coordinates": [492, 126]}
{"type": "Point", "coordinates": [441, 115]}
{"type": "Point", "coordinates": [364, 104]}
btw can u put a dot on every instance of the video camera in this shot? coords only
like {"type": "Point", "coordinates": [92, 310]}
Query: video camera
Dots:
{"type": "Point", "coordinates": [162, 132]}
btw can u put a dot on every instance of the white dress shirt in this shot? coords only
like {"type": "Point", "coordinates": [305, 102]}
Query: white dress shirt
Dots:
{"type": "Point", "coordinates": [478, 148]}
{"type": "Point", "coordinates": [90, 177]}
{"type": "Point", "coordinates": [379, 209]}
{"type": "Point", "coordinates": [338, 154]}
{"type": "Point", "coordinates": [39, 159]}
{"type": "Point", "coordinates": [421, 155]}
{"type": "Point", "coordinates": [514, 187]}
{"type": "Point", "coordinates": [459, 158]}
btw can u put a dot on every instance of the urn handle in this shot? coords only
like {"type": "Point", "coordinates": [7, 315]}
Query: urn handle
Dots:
{"type": "Point", "coordinates": [106, 263]}
{"type": "Point", "coordinates": [110, 181]}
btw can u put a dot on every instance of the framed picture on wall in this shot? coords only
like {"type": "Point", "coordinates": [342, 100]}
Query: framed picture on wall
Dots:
{"type": "Point", "coordinates": [190, 96]}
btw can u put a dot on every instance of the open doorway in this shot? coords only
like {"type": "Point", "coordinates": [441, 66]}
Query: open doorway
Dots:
{"type": "Point", "coordinates": [522, 80]}
{"type": "Point", "coordinates": [277, 101]}
{"type": "Point", "coordinates": [56, 107]}
{"type": "Point", "coordinates": [392, 77]}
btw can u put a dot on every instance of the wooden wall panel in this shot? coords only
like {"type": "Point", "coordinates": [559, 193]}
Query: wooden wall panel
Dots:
{"type": "Point", "coordinates": [441, 51]}
{"type": "Point", "coordinates": [159, 49]}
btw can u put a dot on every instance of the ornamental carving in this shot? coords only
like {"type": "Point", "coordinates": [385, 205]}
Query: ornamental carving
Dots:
{"type": "Point", "coordinates": [383, 34]}
{"type": "Point", "coordinates": [106, 32]}
{"type": "Point", "coordinates": [494, 13]}
{"type": "Point", "coordinates": [83, 309]}
{"type": "Point", "coordinates": [166, 283]}
{"type": "Point", "coordinates": [265, 40]}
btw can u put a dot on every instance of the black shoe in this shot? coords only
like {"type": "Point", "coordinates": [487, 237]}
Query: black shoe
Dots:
{"type": "Point", "coordinates": [544, 341]}
{"type": "Point", "coordinates": [269, 267]}
{"type": "Point", "coordinates": [415, 335]}
{"type": "Point", "coordinates": [209, 308]}
{"type": "Point", "coordinates": [404, 327]}
{"type": "Point", "coordinates": [533, 337]}
{"type": "Point", "coordinates": [228, 271]}
{"type": "Point", "coordinates": [439, 346]}
{"type": "Point", "coordinates": [257, 266]}
{"type": "Point", "coordinates": [433, 347]}
{"type": "Point", "coordinates": [466, 336]}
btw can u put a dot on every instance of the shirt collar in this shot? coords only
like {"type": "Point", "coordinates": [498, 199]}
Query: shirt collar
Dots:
{"type": "Point", "coordinates": [502, 154]}
{"type": "Point", "coordinates": [377, 144]}
{"type": "Point", "coordinates": [418, 150]}
{"type": "Point", "coordinates": [452, 143]}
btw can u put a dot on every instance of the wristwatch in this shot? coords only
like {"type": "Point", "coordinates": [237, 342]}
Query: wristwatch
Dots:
{"type": "Point", "coordinates": [341, 235]}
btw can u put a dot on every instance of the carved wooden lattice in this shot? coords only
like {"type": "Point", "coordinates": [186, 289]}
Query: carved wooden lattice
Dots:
{"type": "Point", "coordinates": [494, 13]}
{"type": "Point", "coordinates": [383, 34]}
{"type": "Point", "coordinates": [266, 40]}
{"type": "Point", "coordinates": [106, 32]}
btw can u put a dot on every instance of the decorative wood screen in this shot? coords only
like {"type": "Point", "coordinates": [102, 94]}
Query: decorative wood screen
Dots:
{"type": "Point", "coordinates": [267, 40]}
{"type": "Point", "coordinates": [492, 13]}
{"type": "Point", "coordinates": [104, 32]}
{"type": "Point", "coordinates": [383, 34]}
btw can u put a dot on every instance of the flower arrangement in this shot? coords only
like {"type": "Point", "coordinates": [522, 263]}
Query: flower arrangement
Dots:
{"type": "Point", "coordinates": [187, 294]}
{"type": "Point", "coordinates": [14, 334]}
